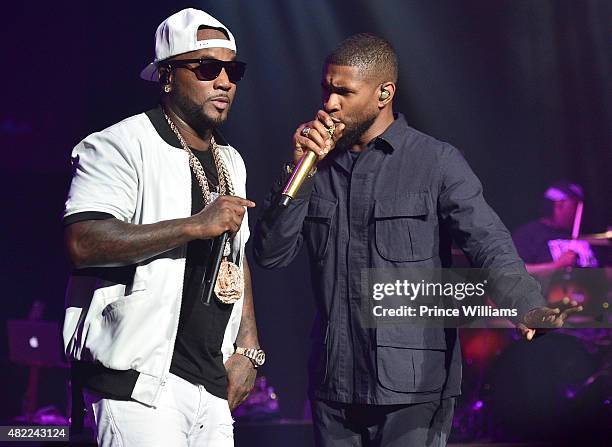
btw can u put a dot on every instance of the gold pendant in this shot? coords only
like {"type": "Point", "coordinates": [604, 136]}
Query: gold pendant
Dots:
{"type": "Point", "coordinates": [230, 283]}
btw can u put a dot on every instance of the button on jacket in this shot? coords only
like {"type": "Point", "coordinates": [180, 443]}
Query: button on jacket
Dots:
{"type": "Point", "coordinates": [396, 205]}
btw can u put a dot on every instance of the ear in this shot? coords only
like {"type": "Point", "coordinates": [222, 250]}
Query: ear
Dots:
{"type": "Point", "coordinates": [386, 94]}
{"type": "Point", "coordinates": [164, 76]}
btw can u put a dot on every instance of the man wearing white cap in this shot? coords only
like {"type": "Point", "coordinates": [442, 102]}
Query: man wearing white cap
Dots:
{"type": "Point", "coordinates": [536, 241]}
{"type": "Point", "coordinates": [158, 363]}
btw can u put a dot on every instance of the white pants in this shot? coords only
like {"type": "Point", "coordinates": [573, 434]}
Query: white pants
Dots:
{"type": "Point", "coordinates": [187, 415]}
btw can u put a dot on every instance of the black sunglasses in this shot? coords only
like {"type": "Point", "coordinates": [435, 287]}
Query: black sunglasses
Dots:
{"type": "Point", "coordinates": [209, 69]}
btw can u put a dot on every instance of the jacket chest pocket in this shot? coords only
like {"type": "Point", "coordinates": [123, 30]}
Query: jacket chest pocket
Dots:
{"type": "Point", "coordinates": [318, 225]}
{"type": "Point", "coordinates": [404, 227]}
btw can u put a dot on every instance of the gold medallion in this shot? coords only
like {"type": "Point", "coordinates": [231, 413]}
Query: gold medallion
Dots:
{"type": "Point", "coordinates": [230, 283]}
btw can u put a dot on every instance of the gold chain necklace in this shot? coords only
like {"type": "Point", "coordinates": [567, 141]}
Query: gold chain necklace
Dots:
{"type": "Point", "coordinates": [230, 281]}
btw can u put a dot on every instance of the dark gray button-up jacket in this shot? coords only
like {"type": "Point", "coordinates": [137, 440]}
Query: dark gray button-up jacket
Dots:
{"type": "Point", "coordinates": [396, 206]}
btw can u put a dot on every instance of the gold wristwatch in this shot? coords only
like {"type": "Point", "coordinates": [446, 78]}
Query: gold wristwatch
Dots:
{"type": "Point", "coordinates": [256, 356]}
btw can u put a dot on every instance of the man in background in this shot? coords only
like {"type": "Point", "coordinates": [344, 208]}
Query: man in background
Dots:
{"type": "Point", "coordinates": [558, 212]}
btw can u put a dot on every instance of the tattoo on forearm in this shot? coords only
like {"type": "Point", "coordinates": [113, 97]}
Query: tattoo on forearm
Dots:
{"type": "Point", "coordinates": [111, 242]}
{"type": "Point", "coordinates": [247, 334]}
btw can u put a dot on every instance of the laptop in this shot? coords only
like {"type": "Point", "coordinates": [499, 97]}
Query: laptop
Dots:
{"type": "Point", "coordinates": [35, 343]}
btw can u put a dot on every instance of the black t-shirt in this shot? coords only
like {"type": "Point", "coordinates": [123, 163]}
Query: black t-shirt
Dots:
{"type": "Point", "coordinates": [531, 241]}
{"type": "Point", "coordinates": [197, 354]}
{"type": "Point", "coordinates": [197, 350]}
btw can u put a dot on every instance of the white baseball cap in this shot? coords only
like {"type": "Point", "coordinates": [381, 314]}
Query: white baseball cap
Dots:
{"type": "Point", "coordinates": [178, 34]}
{"type": "Point", "coordinates": [564, 190]}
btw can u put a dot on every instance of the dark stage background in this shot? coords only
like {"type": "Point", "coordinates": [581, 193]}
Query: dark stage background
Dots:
{"type": "Point", "coordinates": [522, 87]}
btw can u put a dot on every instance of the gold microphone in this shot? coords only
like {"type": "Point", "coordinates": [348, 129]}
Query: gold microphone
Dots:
{"type": "Point", "coordinates": [301, 171]}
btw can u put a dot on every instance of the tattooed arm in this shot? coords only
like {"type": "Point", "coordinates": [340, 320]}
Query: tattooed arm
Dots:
{"type": "Point", "coordinates": [240, 370]}
{"type": "Point", "coordinates": [247, 334]}
{"type": "Point", "coordinates": [112, 242]}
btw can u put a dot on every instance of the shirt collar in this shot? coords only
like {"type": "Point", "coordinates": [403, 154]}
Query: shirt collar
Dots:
{"type": "Point", "coordinates": [157, 118]}
{"type": "Point", "coordinates": [394, 135]}
{"type": "Point", "coordinates": [392, 138]}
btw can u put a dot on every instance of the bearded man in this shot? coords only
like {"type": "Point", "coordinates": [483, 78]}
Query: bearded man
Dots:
{"type": "Point", "coordinates": [156, 358]}
{"type": "Point", "coordinates": [383, 196]}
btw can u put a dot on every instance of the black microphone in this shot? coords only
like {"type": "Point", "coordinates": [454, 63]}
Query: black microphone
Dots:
{"type": "Point", "coordinates": [212, 272]}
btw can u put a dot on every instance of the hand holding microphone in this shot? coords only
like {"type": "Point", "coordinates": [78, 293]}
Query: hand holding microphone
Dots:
{"type": "Point", "coordinates": [312, 142]}
{"type": "Point", "coordinates": [317, 136]}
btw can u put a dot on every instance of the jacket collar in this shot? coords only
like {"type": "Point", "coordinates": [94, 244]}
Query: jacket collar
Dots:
{"type": "Point", "coordinates": [393, 138]}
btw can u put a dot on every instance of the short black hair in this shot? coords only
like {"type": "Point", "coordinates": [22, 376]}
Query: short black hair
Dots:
{"type": "Point", "coordinates": [372, 54]}
{"type": "Point", "coordinates": [215, 28]}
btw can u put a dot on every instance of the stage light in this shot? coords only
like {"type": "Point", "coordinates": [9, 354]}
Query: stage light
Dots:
{"type": "Point", "coordinates": [33, 342]}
